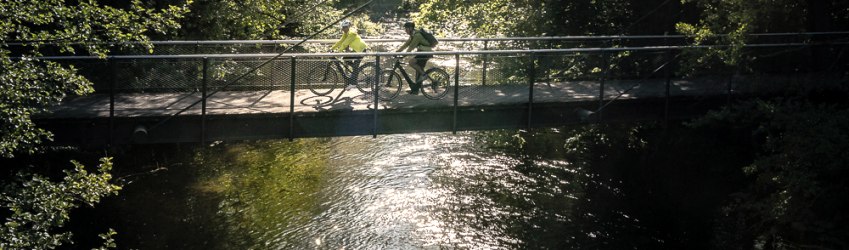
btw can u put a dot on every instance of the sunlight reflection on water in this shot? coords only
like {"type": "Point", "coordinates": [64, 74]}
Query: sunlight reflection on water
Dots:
{"type": "Point", "coordinates": [406, 191]}
{"type": "Point", "coordinates": [431, 191]}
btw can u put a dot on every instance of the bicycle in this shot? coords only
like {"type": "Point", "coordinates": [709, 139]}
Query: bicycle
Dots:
{"type": "Point", "coordinates": [323, 80]}
{"type": "Point", "coordinates": [434, 86]}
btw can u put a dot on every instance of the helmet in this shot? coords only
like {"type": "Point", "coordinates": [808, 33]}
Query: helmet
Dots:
{"type": "Point", "coordinates": [345, 23]}
{"type": "Point", "coordinates": [409, 25]}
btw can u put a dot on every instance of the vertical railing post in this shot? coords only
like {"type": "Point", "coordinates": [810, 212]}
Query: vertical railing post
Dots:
{"type": "Point", "coordinates": [203, 87]}
{"type": "Point", "coordinates": [280, 77]}
{"type": "Point", "coordinates": [272, 75]}
{"type": "Point", "coordinates": [531, 80]}
{"type": "Point", "coordinates": [730, 87]}
{"type": "Point", "coordinates": [292, 99]}
{"type": "Point", "coordinates": [485, 61]}
{"type": "Point", "coordinates": [456, 87]}
{"type": "Point", "coordinates": [604, 68]}
{"type": "Point", "coordinates": [113, 77]}
{"type": "Point", "coordinates": [668, 71]}
{"type": "Point", "coordinates": [375, 90]}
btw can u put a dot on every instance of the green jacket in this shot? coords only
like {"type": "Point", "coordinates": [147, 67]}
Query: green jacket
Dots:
{"type": "Point", "coordinates": [416, 41]}
{"type": "Point", "coordinates": [350, 39]}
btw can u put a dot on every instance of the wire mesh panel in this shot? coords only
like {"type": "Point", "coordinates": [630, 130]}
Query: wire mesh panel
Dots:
{"type": "Point", "coordinates": [566, 77]}
{"type": "Point", "coordinates": [147, 86]}
{"type": "Point", "coordinates": [635, 74]}
{"type": "Point", "coordinates": [169, 84]}
{"type": "Point", "coordinates": [158, 75]}
{"type": "Point", "coordinates": [99, 72]}
{"type": "Point", "coordinates": [239, 74]}
{"type": "Point", "coordinates": [334, 83]}
{"type": "Point", "coordinates": [774, 69]}
{"type": "Point", "coordinates": [506, 81]}
{"type": "Point", "coordinates": [280, 74]}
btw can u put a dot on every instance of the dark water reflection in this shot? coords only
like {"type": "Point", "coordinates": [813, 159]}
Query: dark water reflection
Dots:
{"type": "Point", "coordinates": [394, 192]}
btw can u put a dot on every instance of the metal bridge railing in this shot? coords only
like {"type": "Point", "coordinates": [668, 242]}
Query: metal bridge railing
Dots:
{"type": "Point", "coordinates": [501, 43]}
{"type": "Point", "coordinates": [202, 84]}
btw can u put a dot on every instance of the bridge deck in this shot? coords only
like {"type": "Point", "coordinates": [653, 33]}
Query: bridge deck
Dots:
{"type": "Point", "coordinates": [278, 101]}
{"type": "Point", "coordinates": [247, 115]}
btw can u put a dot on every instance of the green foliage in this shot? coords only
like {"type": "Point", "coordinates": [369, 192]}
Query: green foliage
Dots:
{"type": "Point", "coordinates": [741, 16]}
{"type": "Point", "coordinates": [779, 168]}
{"type": "Point", "coordinates": [729, 22]}
{"type": "Point", "coordinates": [546, 18]}
{"type": "Point", "coordinates": [731, 18]}
{"type": "Point", "coordinates": [798, 193]}
{"type": "Point", "coordinates": [255, 19]}
{"type": "Point", "coordinates": [29, 86]}
{"type": "Point", "coordinates": [523, 17]}
{"type": "Point", "coordinates": [590, 144]}
{"type": "Point", "coordinates": [108, 241]}
{"type": "Point", "coordinates": [259, 184]}
{"type": "Point", "coordinates": [38, 207]}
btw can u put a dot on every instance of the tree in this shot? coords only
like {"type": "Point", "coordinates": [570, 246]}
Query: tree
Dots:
{"type": "Point", "coordinates": [548, 17]}
{"type": "Point", "coordinates": [29, 86]}
{"type": "Point", "coordinates": [729, 22]}
{"type": "Point", "coordinates": [40, 206]}
{"type": "Point", "coordinates": [30, 28]}
{"type": "Point", "coordinates": [255, 19]}
{"type": "Point", "coordinates": [796, 195]}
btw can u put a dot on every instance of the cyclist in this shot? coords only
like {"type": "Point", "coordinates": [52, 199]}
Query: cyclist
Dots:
{"type": "Point", "coordinates": [350, 41]}
{"type": "Point", "coordinates": [416, 41]}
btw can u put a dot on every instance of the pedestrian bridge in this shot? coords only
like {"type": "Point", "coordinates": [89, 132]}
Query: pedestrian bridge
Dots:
{"type": "Point", "coordinates": [505, 83]}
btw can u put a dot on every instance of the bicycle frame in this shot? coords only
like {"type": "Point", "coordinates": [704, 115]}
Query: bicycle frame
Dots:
{"type": "Point", "coordinates": [433, 80]}
{"type": "Point", "coordinates": [349, 75]}
{"type": "Point", "coordinates": [399, 66]}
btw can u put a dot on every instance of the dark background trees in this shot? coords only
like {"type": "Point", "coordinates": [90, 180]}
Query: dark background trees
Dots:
{"type": "Point", "coordinates": [793, 193]}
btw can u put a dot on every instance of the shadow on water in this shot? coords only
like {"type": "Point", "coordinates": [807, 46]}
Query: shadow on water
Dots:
{"type": "Point", "coordinates": [494, 190]}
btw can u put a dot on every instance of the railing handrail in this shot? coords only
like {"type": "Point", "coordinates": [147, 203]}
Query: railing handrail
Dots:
{"type": "Point", "coordinates": [455, 52]}
{"type": "Point", "coordinates": [457, 39]}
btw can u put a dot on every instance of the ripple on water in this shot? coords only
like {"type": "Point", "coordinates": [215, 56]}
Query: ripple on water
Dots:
{"type": "Point", "coordinates": [411, 191]}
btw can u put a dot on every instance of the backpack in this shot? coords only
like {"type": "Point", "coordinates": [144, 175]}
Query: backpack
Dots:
{"type": "Point", "coordinates": [429, 37]}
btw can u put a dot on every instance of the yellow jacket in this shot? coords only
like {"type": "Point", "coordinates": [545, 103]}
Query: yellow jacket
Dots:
{"type": "Point", "coordinates": [350, 39]}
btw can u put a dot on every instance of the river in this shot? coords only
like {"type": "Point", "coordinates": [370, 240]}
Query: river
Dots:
{"type": "Point", "coordinates": [472, 190]}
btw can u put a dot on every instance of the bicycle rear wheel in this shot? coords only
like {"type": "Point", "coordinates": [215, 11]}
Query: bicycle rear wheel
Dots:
{"type": "Point", "coordinates": [436, 84]}
{"type": "Point", "coordinates": [365, 77]}
{"type": "Point", "coordinates": [323, 80]}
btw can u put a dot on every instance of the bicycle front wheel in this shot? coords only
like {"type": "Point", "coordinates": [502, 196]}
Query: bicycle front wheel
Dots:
{"type": "Point", "coordinates": [323, 80]}
{"type": "Point", "coordinates": [390, 85]}
{"type": "Point", "coordinates": [436, 84]}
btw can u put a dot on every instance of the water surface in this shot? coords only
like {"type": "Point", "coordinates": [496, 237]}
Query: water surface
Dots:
{"type": "Point", "coordinates": [427, 191]}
